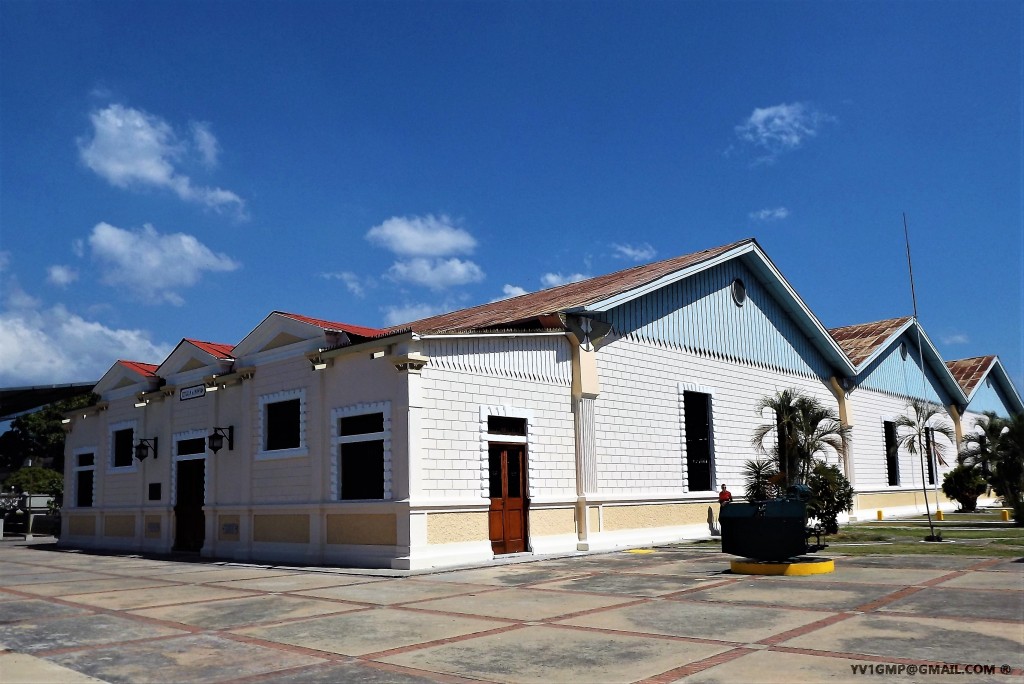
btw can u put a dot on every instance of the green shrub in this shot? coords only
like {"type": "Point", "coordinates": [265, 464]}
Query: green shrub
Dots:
{"type": "Point", "coordinates": [964, 484]}
{"type": "Point", "coordinates": [831, 494]}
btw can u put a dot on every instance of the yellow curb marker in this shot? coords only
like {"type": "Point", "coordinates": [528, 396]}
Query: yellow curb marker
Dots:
{"type": "Point", "coordinates": [639, 550]}
{"type": "Point", "coordinates": [818, 566]}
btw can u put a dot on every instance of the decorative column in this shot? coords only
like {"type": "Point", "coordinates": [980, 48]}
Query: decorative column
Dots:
{"type": "Point", "coordinates": [585, 388]}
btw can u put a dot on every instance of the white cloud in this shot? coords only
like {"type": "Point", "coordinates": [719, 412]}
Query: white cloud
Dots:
{"type": "Point", "coordinates": [956, 338]}
{"type": "Point", "coordinates": [775, 214]}
{"type": "Point", "coordinates": [206, 144]}
{"type": "Point", "coordinates": [781, 128]}
{"type": "Point", "coordinates": [61, 276]}
{"type": "Point", "coordinates": [407, 313]}
{"type": "Point", "coordinates": [153, 266]}
{"type": "Point", "coordinates": [642, 252]}
{"type": "Point", "coordinates": [425, 236]}
{"type": "Point", "coordinates": [352, 282]}
{"type": "Point", "coordinates": [554, 279]}
{"type": "Point", "coordinates": [48, 346]}
{"type": "Point", "coordinates": [512, 291]}
{"type": "Point", "coordinates": [5, 260]}
{"type": "Point", "coordinates": [131, 148]}
{"type": "Point", "coordinates": [437, 274]}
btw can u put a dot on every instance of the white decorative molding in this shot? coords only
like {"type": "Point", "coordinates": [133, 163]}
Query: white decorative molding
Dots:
{"type": "Point", "coordinates": [485, 438]}
{"type": "Point", "coordinates": [262, 454]}
{"type": "Point", "coordinates": [111, 429]}
{"type": "Point", "coordinates": [176, 457]}
{"type": "Point", "coordinates": [337, 440]}
{"type": "Point", "coordinates": [77, 469]}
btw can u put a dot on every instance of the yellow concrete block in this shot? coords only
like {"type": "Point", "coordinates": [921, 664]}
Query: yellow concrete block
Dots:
{"type": "Point", "coordinates": [879, 514]}
{"type": "Point", "coordinates": [1006, 516]}
{"type": "Point", "coordinates": [817, 566]}
{"type": "Point", "coordinates": [939, 516]}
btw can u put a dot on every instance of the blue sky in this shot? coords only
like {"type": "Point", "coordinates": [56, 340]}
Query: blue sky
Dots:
{"type": "Point", "coordinates": [181, 169]}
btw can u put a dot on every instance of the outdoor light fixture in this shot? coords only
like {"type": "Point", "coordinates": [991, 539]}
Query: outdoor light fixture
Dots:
{"type": "Point", "coordinates": [143, 448]}
{"type": "Point", "coordinates": [215, 441]}
{"type": "Point", "coordinates": [65, 421]}
{"type": "Point", "coordinates": [318, 363]}
{"type": "Point", "coordinates": [141, 404]}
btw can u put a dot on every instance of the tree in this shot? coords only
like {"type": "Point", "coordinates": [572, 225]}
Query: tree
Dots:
{"type": "Point", "coordinates": [803, 427]}
{"type": "Point", "coordinates": [831, 494]}
{"type": "Point", "coordinates": [36, 480]}
{"type": "Point", "coordinates": [39, 436]}
{"type": "Point", "coordinates": [964, 484]}
{"type": "Point", "coordinates": [913, 432]}
{"type": "Point", "coordinates": [1007, 476]}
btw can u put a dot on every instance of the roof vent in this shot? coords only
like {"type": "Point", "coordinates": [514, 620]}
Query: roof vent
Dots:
{"type": "Point", "coordinates": [739, 292]}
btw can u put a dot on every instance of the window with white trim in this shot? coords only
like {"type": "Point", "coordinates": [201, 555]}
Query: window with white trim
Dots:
{"type": "Point", "coordinates": [363, 452]}
{"type": "Point", "coordinates": [84, 478]}
{"type": "Point", "coordinates": [283, 423]}
{"type": "Point", "coordinates": [122, 446]}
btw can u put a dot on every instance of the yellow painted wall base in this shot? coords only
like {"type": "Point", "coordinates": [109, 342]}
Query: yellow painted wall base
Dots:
{"type": "Point", "coordinates": [816, 566]}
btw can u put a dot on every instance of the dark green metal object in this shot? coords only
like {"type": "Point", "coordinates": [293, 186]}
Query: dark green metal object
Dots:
{"type": "Point", "coordinates": [771, 530]}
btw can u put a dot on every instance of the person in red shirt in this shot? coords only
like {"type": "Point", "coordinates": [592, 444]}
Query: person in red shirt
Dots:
{"type": "Point", "coordinates": [724, 496]}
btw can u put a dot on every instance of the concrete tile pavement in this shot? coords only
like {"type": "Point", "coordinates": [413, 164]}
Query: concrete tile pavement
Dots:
{"type": "Point", "coordinates": [670, 615]}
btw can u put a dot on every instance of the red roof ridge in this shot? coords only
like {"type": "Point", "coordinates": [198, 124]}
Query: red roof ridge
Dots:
{"type": "Point", "coordinates": [216, 348]}
{"type": "Point", "coordinates": [360, 330]}
{"type": "Point", "coordinates": [148, 369]}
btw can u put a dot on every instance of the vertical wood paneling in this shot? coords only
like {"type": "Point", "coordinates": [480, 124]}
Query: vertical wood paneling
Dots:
{"type": "Point", "coordinates": [698, 315]}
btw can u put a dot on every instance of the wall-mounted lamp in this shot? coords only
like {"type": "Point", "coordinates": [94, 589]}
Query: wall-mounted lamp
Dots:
{"type": "Point", "coordinates": [141, 403]}
{"type": "Point", "coordinates": [377, 355]}
{"type": "Point", "coordinates": [318, 363]}
{"type": "Point", "coordinates": [65, 421]}
{"type": "Point", "coordinates": [215, 441]}
{"type": "Point", "coordinates": [143, 448]}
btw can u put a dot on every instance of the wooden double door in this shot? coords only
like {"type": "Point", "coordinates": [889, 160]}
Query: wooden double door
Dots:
{"type": "Point", "coordinates": [508, 510]}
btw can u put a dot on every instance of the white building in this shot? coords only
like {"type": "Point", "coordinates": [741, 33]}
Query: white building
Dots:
{"type": "Point", "coordinates": [592, 415]}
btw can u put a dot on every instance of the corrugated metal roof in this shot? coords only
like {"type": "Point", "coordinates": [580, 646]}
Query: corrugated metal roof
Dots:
{"type": "Point", "coordinates": [860, 341]}
{"type": "Point", "coordinates": [536, 305]}
{"type": "Point", "coordinates": [969, 372]}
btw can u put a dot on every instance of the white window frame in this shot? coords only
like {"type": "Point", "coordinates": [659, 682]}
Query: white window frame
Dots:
{"type": "Point", "coordinates": [276, 397]}
{"type": "Point", "coordinates": [682, 389]}
{"type": "Point", "coordinates": [337, 440]}
{"type": "Point", "coordinates": [116, 427]}
{"type": "Point", "coordinates": [176, 457]}
{"type": "Point", "coordinates": [80, 468]}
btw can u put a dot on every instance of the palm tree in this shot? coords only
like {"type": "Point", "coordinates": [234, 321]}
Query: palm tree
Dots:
{"type": "Point", "coordinates": [997, 447]}
{"type": "Point", "coordinates": [912, 434]}
{"type": "Point", "coordinates": [803, 427]}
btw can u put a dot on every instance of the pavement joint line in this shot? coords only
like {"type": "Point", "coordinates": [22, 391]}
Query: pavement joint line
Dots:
{"type": "Point", "coordinates": [398, 650]}
{"type": "Point", "coordinates": [592, 611]}
{"type": "Point", "coordinates": [690, 590]}
{"type": "Point", "coordinates": [647, 635]}
{"type": "Point", "coordinates": [449, 613]}
{"type": "Point", "coordinates": [117, 643]}
{"type": "Point", "coordinates": [888, 612]}
{"type": "Point", "coordinates": [751, 604]}
{"type": "Point", "coordinates": [697, 666]}
{"type": "Point", "coordinates": [804, 629]}
{"type": "Point", "coordinates": [280, 646]}
{"type": "Point", "coordinates": [872, 606]}
{"type": "Point", "coordinates": [71, 601]}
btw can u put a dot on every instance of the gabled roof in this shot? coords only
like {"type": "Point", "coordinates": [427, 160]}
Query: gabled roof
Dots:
{"type": "Point", "coordinates": [535, 306]}
{"type": "Point", "coordinates": [144, 369]}
{"type": "Point", "coordinates": [970, 372]}
{"type": "Point", "coordinates": [862, 341]}
{"type": "Point", "coordinates": [539, 309]}
{"type": "Point", "coordinates": [220, 351]}
{"type": "Point", "coordinates": [333, 326]}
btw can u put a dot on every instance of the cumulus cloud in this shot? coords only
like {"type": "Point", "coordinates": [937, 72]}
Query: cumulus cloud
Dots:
{"type": "Point", "coordinates": [407, 313]}
{"type": "Point", "coordinates": [554, 279]}
{"type": "Point", "coordinates": [437, 274]}
{"type": "Point", "coordinates": [425, 236]}
{"type": "Point", "coordinates": [353, 283]}
{"type": "Point", "coordinates": [956, 338]}
{"type": "Point", "coordinates": [512, 291]}
{"type": "Point", "coordinates": [781, 128]}
{"type": "Point", "coordinates": [130, 148]}
{"type": "Point", "coordinates": [61, 276]}
{"type": "Point", "coordinates": [55, 345]}
{"type": "Point", "coordinates": [153, 266]}
{"type": "Point", "coordinates": [642, 252]}
{"type": "Point", "coordinates": [774, 214]}
{"type": "Point", "coordinates": [5, 260]}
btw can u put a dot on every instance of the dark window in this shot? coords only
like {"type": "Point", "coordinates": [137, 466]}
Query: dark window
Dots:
{"type": "Point", "coordinates": [494, 473]}
{"type": "Point", "coordinates": [501, 425]}
{"type": "Point", "coordinates": [154, 491]}
{"type": "Point", "coordinates": [892, 456]}
{"type": "Point", "coordinates": [362, 470]}
{"type": "Point", "coordinates": [362, 460]}
{"type": "Point", "coordinates": [191, 446]}
{"type": "Point", "coordinates": [367, 423]}
{"type": "Point", "coordinates": [283, 425]}
{"type": "Point", "coordinates": [929, 453]}
{"type": "Point", "coordinates": [697, 410]}
{"type": "Point", "coordinates": [86, 460]}
{"type": "Point", "coordinates": [83, 488]}
{"type": "Point", "coordinates": [124, 447]}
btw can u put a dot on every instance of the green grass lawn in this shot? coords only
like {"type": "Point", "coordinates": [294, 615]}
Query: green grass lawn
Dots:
{"type": "Point", "coordinates": [964, 535]}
